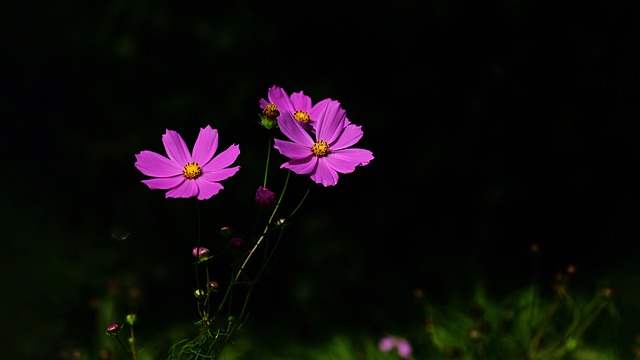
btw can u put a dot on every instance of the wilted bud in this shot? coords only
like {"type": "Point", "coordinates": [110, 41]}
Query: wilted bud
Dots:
{"type": "Point", "coordinates": [131, 319]}
{"type": "Point", "coordinates": [113, 329]}
{"type": "Point", "coordinates": [200, 253]}
{"type": "Point", "coordinates": [237, 243]}
{"type": "Point", "coordinates": [265, 198]}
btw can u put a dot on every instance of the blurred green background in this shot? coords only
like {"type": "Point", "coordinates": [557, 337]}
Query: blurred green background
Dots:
{"type": "Point", "coordinates": [493, 125]}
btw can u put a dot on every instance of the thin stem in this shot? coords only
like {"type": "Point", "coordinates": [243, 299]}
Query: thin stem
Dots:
{"type": "Point", "coordinates": [266, 167]}
{"type": "Point", "coordinates": [132, 342]}
{"type": "Point", "coordinates": [198, 236]}
{"type": "Point", "coordinates": [264, 232]}
{"type": "Point", "coordinates": [301, 201]}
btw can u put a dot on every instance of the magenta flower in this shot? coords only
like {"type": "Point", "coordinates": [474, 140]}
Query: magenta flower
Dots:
{"type": "Point", "coordinates": [402, 346]}
{"type": "Point", "coordinates": [299, 104]}
{"type": "Point", "coordinates": [329, 153]}
{"type": "Point", "coordinates": [185, 174]}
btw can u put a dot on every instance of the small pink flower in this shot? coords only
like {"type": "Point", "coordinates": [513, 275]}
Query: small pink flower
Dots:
{"type": "Point", "coordinates": [402, 346]}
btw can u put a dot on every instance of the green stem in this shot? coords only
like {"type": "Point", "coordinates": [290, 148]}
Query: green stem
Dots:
{"type": "Point", "coordinates": [264, 232]}
{"type": "Point", "coordinates": [266, 167]}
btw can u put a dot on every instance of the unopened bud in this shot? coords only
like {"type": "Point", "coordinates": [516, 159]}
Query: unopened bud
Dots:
{"type": "Point", "coordinates": [265, 198]}
{"type": "Point", "coordinates": [200, 253]}
{"type": "Point", "coordinates": [131, 319]}
{"type": "Point", "coordinates": [198, 293]}
{"type": "Point", "coordinates": [113, 329]}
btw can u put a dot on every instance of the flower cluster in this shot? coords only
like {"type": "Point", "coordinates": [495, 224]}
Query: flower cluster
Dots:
{"type": "Point", "coordinates": [316, 139]}
{"type": "Point", "coordinates": [320, 136]}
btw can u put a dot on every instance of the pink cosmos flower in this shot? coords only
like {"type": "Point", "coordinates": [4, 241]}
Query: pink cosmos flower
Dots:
{"type": "Point", "coordinates": [329, 153]}
{"type": "Point", "coordinates": [402, 346]}
{"type": "Point", "coordinates": [299, 104]}
{"type": "Point", "coordinates": [185, 174]}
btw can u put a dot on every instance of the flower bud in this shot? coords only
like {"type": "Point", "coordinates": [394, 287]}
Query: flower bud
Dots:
{"type": "Point", "coordinates": [200, 253]}
{"type": "Point", "coordinates": [113, 329]}
{"type": "Point", "coordinates": [265, 198]}
{"type": "Point", "coordinates": [131, 319]}
{"type": "Point", "coordinates": [237, 243]}
{"type": "Point", "coordinates": [269, 116]}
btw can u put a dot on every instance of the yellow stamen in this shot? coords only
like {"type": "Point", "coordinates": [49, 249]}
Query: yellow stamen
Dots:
{"type": "Point", "coordinates": [271, 111]}
{"type": "Point", "coordinates": [192, 170]}
{"type": "Point", "coordinates": [320, 148]}
{"type": "Point", "coordinates": [301, 116]}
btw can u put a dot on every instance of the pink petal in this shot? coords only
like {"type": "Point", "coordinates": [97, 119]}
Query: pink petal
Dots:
{"type": "Point", "coordinates": [279, 97]}
{"type": "Point", "coordinates": [331, 122]}
{"type": "Point", "coordinates": [292, 150]}
{"type": "Point", "coordinates": [345, 161]}
{"type": "Point", "coordinates": [302, 166]}
{"type": "Point", "coordinates": [294, 130]}
{"type": "Point", "coordinates": [404, 348]}
{"type": "Point", "coordinates": [154, 164]}
{"type": "Point", "coordinates": [187, 189]}
{"type": "Point", "coordinates": [206, 145]}
{"type": "Point", "coordinates": [317, 110]}
{"type": "Point", "coordinates": [176, 148]}
{"type": "Point", "coordinates": [387, 343]}
{"type": "Point", "coordinates": [324, 174]}
{"type": "Point", "coordinates": [301, 102]}
{"type": "Point", "coordinates": [350, 135]}
{"type": "Point", "coordinates": [223, 159]}
{"type": "Point", "coordinates": [164, 183]}
{"type": "Point", "coordinates": [207, 188]}
{"type": "Point", "coordinates": [220, 174]}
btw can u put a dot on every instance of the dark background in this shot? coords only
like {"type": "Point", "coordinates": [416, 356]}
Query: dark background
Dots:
{"type": "Point", "coordinates": [493, 125]}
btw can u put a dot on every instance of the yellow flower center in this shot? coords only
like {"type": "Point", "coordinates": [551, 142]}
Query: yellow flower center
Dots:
{"type": "Point", "coordinates": [271, 111]}
{"type": "Point", "coordinates": [192, 170]}
{"type": "Point", "coordinates": [301, 116]}
{"type": "Point", "coordinates": [320, 148]}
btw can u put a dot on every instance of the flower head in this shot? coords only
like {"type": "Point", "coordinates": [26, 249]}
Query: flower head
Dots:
{"type": "Point", "coordinates": [187, 174]}
{"type": "Point", "coordinates": [329, 152]}
{"type": "Point", "coordinates": [299, 104]}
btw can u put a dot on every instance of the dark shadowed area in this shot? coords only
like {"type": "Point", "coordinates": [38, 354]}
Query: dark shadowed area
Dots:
{"type": "Point", "coordinates": [493, 126]}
